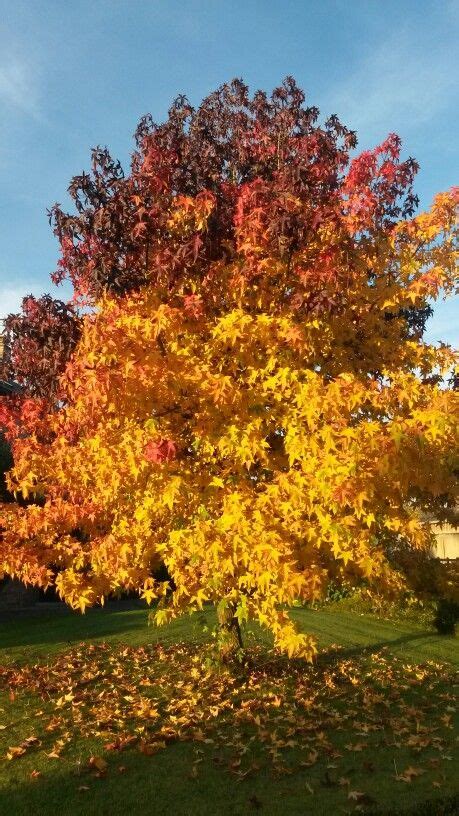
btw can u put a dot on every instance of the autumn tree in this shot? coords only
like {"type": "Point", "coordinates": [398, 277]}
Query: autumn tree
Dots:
{"type": "Point", "coordinates": [38, 343]}
{"type": "Point", "coordinates": [118, 237]}
{"type": "Point", "coordinates": [250, 402]}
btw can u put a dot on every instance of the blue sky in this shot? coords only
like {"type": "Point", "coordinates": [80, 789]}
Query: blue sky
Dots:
{"type": "Point", "coordinates": [74, 74]}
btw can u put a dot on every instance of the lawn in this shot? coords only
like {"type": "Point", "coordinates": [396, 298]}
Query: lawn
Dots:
{"type": "Point", "coordinates": [137, 720]}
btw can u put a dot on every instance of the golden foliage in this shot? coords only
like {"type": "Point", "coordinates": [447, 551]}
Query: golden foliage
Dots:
{"type": "Point", "coordinates": [254, 451]}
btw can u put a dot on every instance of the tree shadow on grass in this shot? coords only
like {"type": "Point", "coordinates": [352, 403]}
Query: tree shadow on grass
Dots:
{"type": "Point", "coordinates": [56, 624]}
{"type": "Point", "coordinates": [127, 620]}
{"type": "Point", "coordinates": [149, 787]}
{"type": "Point", "coordinates": [332, 653]}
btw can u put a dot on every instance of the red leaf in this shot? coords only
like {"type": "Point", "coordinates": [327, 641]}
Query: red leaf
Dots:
{"type": "Point", "coordinates": [159, 452]}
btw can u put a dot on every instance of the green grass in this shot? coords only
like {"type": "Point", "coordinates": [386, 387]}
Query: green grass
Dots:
{"type": "Point", "coordinates": [185, 782]}
{"type": "Point", "coordinates": [25, 636]}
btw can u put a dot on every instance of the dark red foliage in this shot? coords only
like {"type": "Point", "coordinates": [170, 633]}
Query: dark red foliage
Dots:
{"type": "Point", "coordinates": [158, 452]}
{"type": "Point", "coordinates": [235, 147]}
{"type": "Point", "coordinates": [267, 165]}
{"type": "Point", "coordinates": [39, 341]}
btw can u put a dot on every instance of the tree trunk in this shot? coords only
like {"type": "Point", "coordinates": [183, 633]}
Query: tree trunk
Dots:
{"type": "Point", "coordinates": [229, 634]}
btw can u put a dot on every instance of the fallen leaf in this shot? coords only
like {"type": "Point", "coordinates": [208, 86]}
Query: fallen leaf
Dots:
{"type": "Point", "coordinates": [15, 752]}
{"type": "Point", "coordinates": [99, 763]}
{"type": "Point", "coordinates": [409, 774]}
{"type": "Point", "coordinates": [356, 795]}
{"type": "Point", "coordinates": [358, 746]}
{"type": "Point", "coordinates": [27, 743]}
{"type": "Point", "coordinates": [311, 759]}
{"type": "Point", "coordinates": [150, 748]}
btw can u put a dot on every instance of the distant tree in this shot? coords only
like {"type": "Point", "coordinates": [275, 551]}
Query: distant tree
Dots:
{"type": "Point", "coordinates": [39, 341]}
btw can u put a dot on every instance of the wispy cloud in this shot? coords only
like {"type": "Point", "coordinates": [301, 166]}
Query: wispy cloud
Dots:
{"type": "Point", "coordinates": [401, 84]}
{"type": "Point", "coordinates": [19, 87]}
{"type": "Point", "coordinates": [11, 297]}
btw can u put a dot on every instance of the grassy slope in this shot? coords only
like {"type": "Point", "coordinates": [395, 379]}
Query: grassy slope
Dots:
{"type": "Point", "coordinates": [24, 637]}
{"type": "Point", "coordinates": [162, 784]}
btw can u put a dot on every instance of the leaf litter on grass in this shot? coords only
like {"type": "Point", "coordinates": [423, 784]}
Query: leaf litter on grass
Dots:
{"type": "Point", "coordinates": [334, 717]}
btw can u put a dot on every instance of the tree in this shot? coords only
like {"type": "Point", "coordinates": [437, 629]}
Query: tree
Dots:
{"type": "Point", "coordinates": [250, 402]}
{"type": "Point", "coordinates": [39, 342]}
{"type": "Point", "coordinates": [119, 236]}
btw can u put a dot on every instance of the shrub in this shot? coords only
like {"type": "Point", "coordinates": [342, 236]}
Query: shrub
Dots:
{"type": "Point", "coordinates": [446, 617]}
{"type": "Point", "coordinates": [364, 601]}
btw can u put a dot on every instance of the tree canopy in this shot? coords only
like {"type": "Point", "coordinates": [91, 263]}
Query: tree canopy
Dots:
{"type": "Point", "coordinates": [246, 398]}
